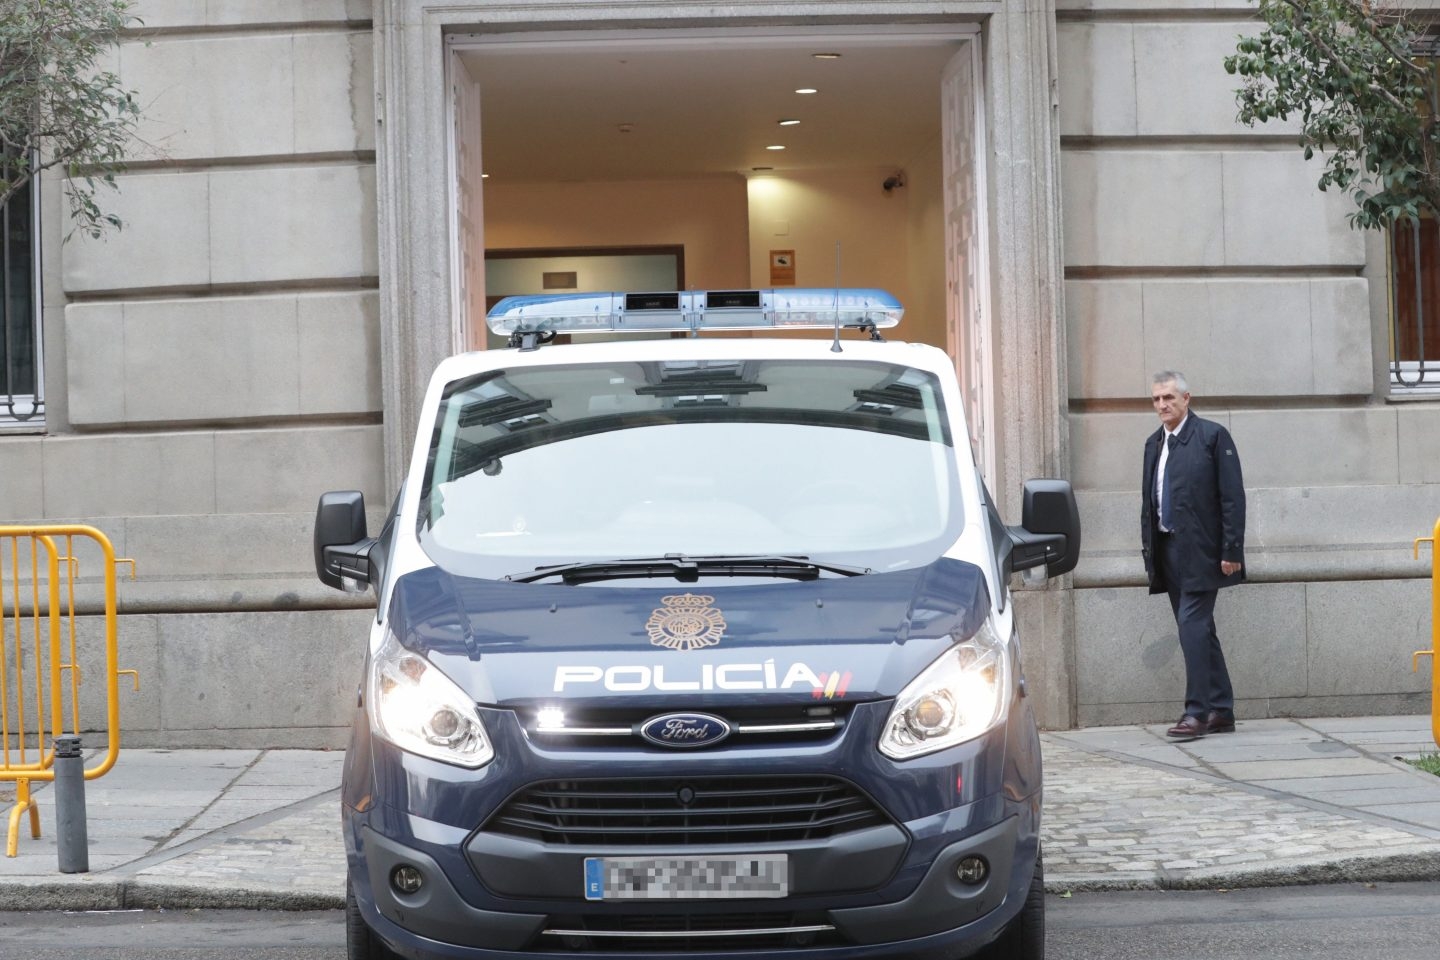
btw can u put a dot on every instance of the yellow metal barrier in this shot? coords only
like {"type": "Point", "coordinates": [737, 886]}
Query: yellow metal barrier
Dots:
{"type": "Point", "coordinates": [1434, 652]}
{"type": "Point", "coordinates": [40, 673]}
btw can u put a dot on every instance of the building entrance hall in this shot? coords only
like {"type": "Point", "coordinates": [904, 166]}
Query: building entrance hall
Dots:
{"type": "Point", "coordinates": [725, 160]}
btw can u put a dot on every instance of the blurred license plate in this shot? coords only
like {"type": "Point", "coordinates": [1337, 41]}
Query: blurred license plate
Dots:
{"type": "Point", "coordinates": [686, 878]}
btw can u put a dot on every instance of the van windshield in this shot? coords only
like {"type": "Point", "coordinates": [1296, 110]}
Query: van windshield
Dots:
{"type": "Point", "coordinates": [847, 462]}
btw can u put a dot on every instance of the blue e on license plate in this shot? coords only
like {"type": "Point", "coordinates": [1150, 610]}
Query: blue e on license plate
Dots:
{"type": "Point", "coordinates": [763, 875]}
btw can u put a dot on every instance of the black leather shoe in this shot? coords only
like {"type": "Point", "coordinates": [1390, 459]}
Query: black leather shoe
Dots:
{"type": "Point", "coordinates": [1189, 728]}
{"type": "Point", "coordinates": [1217, 722]}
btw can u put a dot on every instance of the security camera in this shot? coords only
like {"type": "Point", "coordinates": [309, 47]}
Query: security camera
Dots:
{"type": "Point", "coordinates": [893, 181]}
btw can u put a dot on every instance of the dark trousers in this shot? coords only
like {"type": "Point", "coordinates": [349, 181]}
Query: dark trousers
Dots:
{"type": "Point", "coordinates": [1207, 681]}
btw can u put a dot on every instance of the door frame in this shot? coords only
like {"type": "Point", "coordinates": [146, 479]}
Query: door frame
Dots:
{"type": "Point", "coordinates": [1026, 273]}
{"type": "Point", "coordinates": [1026, 277]}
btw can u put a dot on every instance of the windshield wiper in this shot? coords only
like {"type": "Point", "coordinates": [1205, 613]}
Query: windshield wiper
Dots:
{"type": "Point", "coordinates": [687, 569]}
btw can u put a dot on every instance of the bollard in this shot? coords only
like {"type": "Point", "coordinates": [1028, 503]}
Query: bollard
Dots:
{"type": "Point", "coordinates": [70, 837]}
{"type": "Point", "coordinates": [1434, 652]}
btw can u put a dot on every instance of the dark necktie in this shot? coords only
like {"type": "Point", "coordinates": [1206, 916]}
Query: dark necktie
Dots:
{"type": "Point", "coordinates": [1166, 516]}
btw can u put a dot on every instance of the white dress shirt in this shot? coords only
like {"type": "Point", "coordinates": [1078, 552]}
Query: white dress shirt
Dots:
{"type": "Point", "coordinates": [1160, 469]}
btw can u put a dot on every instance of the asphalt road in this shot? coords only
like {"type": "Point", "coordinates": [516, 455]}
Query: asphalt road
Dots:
{"type": "Point", "coordinates": [1356, 922]}
{"type": "Point", "coordinates": [1351, 922]}
{"type": "Point", "coordinates": [173, 935]}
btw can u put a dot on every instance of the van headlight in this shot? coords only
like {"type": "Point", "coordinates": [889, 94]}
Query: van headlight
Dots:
{"type": "Point", "coordinates": [955, 699]}
{"type": "Point", "coordinates": [419, 709]}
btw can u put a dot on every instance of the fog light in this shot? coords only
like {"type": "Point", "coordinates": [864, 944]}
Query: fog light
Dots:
{"type": "Point", "coordinates": [972, 870]}
{"type": "Point", "coordinates": [406, 879]}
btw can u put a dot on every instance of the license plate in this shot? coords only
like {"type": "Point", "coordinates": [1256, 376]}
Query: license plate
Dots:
{"type": "Point", "coordinates": [687, 878]}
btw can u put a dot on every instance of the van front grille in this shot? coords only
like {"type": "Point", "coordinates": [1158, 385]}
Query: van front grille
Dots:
{"type": "Point", "coordinates": [686, 811]}
{"type": "Point", "coordinates": [763, 724]}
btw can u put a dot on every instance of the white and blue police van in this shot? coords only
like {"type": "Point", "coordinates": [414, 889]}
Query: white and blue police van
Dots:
{"type": "Point", "coordinates": [694, 646]}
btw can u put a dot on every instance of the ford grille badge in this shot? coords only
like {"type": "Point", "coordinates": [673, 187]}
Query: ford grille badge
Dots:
{"type": "Point", "coordinates": [685, 730]}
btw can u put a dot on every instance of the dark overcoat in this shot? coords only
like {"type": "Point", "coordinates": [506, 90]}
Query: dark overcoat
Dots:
{"type": "Point", "coordinates": [1207, 502]}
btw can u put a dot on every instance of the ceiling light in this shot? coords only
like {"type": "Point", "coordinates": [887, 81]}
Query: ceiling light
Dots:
{"type": "Point", "coordinates": [788, 123]}
{"type": "Point", "coordinates": [484, 176]}
{"type": "Point", "coordinates": [826, 56]}
{"type": "Point", "coordinates": [807, 90]}
{"type": "Point", "coordinates": [775, 146]}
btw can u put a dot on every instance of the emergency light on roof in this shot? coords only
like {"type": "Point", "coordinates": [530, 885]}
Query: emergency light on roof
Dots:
{"type": "Point", "coordinates": [798, 308]}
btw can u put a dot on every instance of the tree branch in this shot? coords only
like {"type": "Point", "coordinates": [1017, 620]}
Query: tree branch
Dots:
{"type": "Point", "coordinates": [1337, 60]}
{"type": "Point", "coordinates": [1376, 32]}
{"type": "Point", "coordinates": [60, 107]}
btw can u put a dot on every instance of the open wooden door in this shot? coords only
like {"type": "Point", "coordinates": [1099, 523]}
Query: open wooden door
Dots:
{"type": "Point", "coordinates": [467, 269]}
{"type": "Point", "coordinates": [967, 262]}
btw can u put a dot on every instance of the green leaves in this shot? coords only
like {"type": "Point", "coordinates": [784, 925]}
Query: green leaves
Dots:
{"type": "Point", "coordinates": [58, 108]}
{"type": "Point", "coordinates": [1347, 70]}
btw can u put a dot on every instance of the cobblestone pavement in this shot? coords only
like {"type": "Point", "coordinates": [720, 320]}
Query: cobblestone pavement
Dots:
{"type": "Point", "coordinates": [1111, 825]}
{"type": "Point", "coordinates": [173, 828]}
{"type": "Point", "coordinates": [294, 861]}
{"type": "Point", "coordinates": [1277, 802]}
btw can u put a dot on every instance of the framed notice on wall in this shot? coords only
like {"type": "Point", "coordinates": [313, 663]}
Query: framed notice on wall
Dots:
{"type": "Point", "coordinates": [782, 268]}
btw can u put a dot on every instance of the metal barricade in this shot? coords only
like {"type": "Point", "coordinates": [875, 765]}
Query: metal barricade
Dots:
{"type": "Point", "coordinates": [40, 673]}
{"type": "Point", "coordinates": [1434, 652]}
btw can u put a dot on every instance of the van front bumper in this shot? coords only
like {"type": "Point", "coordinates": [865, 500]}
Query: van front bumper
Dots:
{"type": "Point", "coordinates": [942, 918]}
{"type": "Point", "coordinates": [889, 890]}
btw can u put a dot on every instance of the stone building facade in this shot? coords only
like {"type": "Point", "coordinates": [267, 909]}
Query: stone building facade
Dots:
{"type": "Point", "coordinates": [302, 228]}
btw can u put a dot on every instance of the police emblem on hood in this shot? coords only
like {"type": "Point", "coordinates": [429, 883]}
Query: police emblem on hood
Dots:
{"type": "Point", "coordinates": [685, 622]}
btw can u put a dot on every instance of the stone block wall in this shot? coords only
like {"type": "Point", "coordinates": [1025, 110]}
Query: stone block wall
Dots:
{"type": "Point", "coordinates": [1193, 242]}
{"type": "Point", "coordinates": [214, 366]}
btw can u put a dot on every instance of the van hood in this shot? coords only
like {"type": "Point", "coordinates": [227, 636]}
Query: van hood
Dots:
{"type": "Point", "coordinates": [714, 642]}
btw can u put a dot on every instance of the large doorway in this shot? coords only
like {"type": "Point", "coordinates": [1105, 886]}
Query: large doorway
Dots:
{"type": "Point", "coordinates": [771, 158]}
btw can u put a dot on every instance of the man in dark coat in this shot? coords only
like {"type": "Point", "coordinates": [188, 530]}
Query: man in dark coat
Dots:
{"type": "Point", "coordinates": [1192, 530]}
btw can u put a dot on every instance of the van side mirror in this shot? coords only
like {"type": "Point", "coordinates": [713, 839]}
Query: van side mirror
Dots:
{"type": "Point", "coordinates": [342, 549]}
{"type": "Point", "coordinates": [1049, 531]}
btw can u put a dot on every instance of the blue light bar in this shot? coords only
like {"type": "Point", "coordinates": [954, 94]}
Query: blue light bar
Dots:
{"type": "Point", "coordinates": [794, 309]}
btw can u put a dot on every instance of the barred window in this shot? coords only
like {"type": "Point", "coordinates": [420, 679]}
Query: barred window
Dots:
{"type": "Point", "coordinates": [22, 388]}
{"type": "Point", "coordinates": [1415, 305]}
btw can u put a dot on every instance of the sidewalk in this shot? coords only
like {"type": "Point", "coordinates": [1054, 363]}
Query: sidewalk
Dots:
{"type": "Point", "coordinates": [1276, 802]}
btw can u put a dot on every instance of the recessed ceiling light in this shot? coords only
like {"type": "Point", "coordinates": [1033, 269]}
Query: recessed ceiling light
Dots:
{"type": "Point", "coordinates": [807, 90]}
{"type": "Point", "coordinates": [788, 123]}
{"type": "Point", "coordinates": [826, 56]}
{"type": "Point", "coordinates": [775, 146]}
{"type": "Point", "coordinates": [484, 176]}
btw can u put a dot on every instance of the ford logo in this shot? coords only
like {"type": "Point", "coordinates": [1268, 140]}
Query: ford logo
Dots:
{"type": "Point", "coordinates": [685, 730]}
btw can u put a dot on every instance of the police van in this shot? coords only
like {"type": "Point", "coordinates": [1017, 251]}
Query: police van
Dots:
{"type": "Point", "coordinates": [694, 646]}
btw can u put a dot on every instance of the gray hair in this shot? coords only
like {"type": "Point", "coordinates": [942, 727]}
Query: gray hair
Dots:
{"type": "Point", "coordinates": [1166, 376]}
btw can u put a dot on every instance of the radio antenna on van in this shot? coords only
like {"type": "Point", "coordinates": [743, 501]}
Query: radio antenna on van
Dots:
{"type": "Point", "coordinates": [835, 347]}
